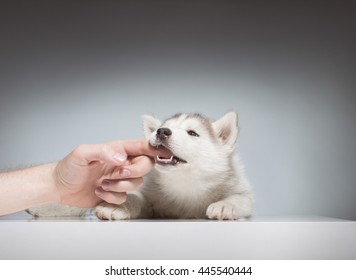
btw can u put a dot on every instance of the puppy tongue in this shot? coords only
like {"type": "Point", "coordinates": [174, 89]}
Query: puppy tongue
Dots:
{"type": "Point", "coordinates": [164, 153]}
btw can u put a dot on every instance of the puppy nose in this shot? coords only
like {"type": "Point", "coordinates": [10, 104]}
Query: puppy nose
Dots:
{"type": "Point", "coordinates": [163, 133]}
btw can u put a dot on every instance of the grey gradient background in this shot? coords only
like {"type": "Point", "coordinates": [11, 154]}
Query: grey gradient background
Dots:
{"type": "Point", "coordinates": [75, 72]}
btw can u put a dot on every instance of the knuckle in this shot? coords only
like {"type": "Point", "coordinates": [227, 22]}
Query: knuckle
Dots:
{"type": "Point", "coordinates": [105, 149]}
{"type": "Point", "coordinates": [116, 198]}
{"type": "Point", "coordinates": [81, 149]}
{"type": "Point", "coordinates": [138, 171]}
{"type": "Point", "coordinates": [144, 165]}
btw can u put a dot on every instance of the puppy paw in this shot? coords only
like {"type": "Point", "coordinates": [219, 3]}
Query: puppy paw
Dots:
{"type": "Point", "coordinates": [222, 210]}
{"type": "Point", "coordinates": [106, 211]}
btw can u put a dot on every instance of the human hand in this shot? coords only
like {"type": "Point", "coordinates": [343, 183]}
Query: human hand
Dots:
{"type": "Point", "coordinates": [92, 173]}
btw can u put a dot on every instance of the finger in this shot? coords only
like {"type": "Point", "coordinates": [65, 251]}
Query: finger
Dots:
{"type": "Point", "coordinates": [122, 185]}
{"type": "Point", "coordinates": [85, 154]}
{"type": "Point", "coordinates": [138, 167]}
{"type": "Point", "coordinates": [111, 197]}
{"type": "Point", "coordinates": [140, 147]}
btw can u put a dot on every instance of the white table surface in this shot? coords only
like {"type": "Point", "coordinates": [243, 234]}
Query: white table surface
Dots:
{"type": "Point", "coordinates": [306, 237]}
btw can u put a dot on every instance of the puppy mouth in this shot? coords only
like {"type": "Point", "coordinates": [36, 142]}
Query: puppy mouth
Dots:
{"type": "Point", "coordinates": [172, 160]}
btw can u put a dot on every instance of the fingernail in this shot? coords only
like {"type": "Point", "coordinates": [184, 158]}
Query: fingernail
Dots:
{"type": "Point", "coordinates": [105, 185]}
{"type": "Point", "coordinates": [119, 157]}
{"type": "Point", "coordinates": [125, 172]}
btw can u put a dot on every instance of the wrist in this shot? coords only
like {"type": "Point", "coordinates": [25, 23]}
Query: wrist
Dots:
{"type": "Point", "coordinates": [47, 190]}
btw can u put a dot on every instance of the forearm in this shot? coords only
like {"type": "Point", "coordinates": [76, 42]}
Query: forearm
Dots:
{"type": "Point", "coordinates": [27, 188]}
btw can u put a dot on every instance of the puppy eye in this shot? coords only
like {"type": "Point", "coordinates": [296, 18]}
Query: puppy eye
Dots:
{"type": "Point", "coordinates": [193, 133]}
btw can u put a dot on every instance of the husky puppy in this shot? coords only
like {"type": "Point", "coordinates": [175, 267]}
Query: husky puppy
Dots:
{"type": "Point", "coordinates": [203, 178]}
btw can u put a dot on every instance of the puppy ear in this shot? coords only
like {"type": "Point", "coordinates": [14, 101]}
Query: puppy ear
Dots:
{"type": "Point", "coordinates": [150, 124]}
{"type": "Point", "coordinates": [226, 129]}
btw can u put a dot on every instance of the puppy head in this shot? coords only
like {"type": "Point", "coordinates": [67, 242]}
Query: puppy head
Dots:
{"type": "Point", "coordinates": [194, 141]}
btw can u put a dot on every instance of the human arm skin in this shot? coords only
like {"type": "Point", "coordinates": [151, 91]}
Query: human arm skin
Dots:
{"type": "Point", "coordinates": [22, 189]}
{"type": "Point", "coordinates": [85, 177]}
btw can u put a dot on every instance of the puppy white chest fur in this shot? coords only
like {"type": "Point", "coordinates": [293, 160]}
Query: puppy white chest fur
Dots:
{"type": "Point", "coordinates": [182, 186]}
